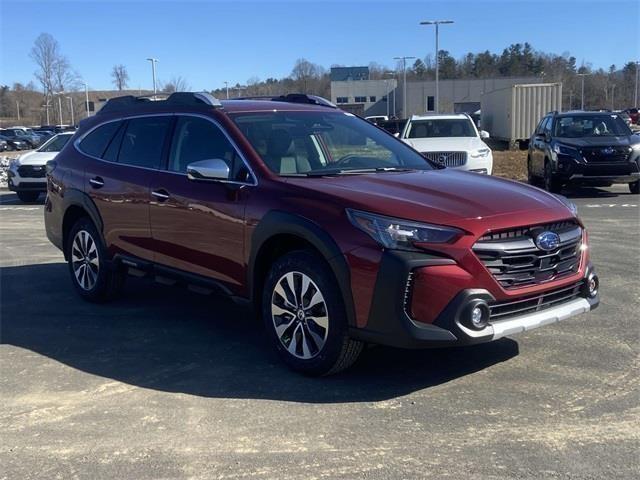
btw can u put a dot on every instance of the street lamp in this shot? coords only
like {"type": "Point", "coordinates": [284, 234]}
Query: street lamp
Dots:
{"type": "Point", "coordinates": [71, 110]}
{"type": "Point", "coordinates": [582, 75]}
{"type": "Point", "coordinates": [437, 23]}
{"type": "Point", "coordinates": [226, 86]}
{"type": "Point", "coordinates": [153, 70]}
{"type": "Point", "coordinates": [404, 82]}
{"type": "Point", "coordinates": [86, 96]}
{"type": "Point", "coordinates": [60, 106]}
{"type": "Point", "coordinates": [635, 95]}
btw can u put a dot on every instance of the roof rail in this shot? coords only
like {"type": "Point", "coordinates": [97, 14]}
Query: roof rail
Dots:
{"type": "Point", "coordinates": [293, 98]}
{"type": "Point", "coordinates": [189, 99]}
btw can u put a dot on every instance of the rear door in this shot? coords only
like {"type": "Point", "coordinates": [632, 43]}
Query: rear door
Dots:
{"type": "Point", "coordinates": [124, 155]}
{"type": "Point", "coordinates": [198, 225]}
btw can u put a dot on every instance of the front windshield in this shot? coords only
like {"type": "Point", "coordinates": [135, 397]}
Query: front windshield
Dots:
{"type": "Point", "coordinates": [441, 127]}
{"type": "Point", "coordinates": [55, 144]}
{"type": "Point", "coordinates": [323, 143]}
{"type": "Point", "coordinates": [591, 126]}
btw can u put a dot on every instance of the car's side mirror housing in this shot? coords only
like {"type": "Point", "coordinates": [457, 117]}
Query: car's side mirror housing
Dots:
{"type": "Point", "coordinates": [484, 134]}
{"type": "Point", "coordinates": [211, 169]}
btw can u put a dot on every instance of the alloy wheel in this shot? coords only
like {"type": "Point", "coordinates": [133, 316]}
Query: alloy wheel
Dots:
{"type": "Point", "coordinates": [299, 314]}
{"type": "Point", "coordinates": [85, 260]}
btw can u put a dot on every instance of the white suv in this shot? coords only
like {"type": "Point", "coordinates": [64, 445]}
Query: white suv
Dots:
{"type": "Point", "coordinates": [451, 140]}
{"type": "Point", "coordinates": [27, 173]}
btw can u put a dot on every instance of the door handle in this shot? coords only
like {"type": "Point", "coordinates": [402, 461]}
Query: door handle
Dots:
{"type": "Point", "coordinates": [161, 195]}
{"type": "Point", "coordinates": [96, 182]}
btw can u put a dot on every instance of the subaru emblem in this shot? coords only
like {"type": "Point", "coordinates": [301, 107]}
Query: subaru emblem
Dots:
{"type": "Point", "coordinates": [608, 150]}
{"type": "Point", "coordinates": [548, 241]}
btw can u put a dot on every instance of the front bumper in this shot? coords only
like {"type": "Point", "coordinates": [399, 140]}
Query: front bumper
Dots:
{"type": "Point", "coordinates": [392, 320]}
{"type": "Point", "coordinates": [570, 170]}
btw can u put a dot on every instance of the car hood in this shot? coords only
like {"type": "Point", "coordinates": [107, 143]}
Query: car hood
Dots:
{"type": "Point", "coordinates": [445, 144]}
{"type": "Point", "coordinates": [36, 158]}
{"type": "Point", "coordinates": [447, 197]}
{"type": "Point", "coordinates": [622, 141]}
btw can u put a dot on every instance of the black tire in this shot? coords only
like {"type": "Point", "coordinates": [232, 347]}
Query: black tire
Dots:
{"type": "Point", "coordinates": [28, 197]}
{"type": "Point", "coordinates": [551, 184]}
{"type": "Point", "coordinates": [634, 187]}
{"type": "Point", "coordinates": [531, 178]}
{"type": "Point", "coordinates": [101, 281]}
{"type": "Point", "coordinates": [338, 351]}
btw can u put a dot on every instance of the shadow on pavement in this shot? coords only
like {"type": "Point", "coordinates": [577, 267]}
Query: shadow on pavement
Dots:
{"type": "Point", "coordinates": [169, 339]}
{"type": "Point", "coordinates": [594, 192]}
{"type": "Point", "coordinates": [9, 198]}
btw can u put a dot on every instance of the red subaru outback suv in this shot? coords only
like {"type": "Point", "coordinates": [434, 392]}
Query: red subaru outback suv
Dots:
{"type": "Point", "coordinates": [338, 233]}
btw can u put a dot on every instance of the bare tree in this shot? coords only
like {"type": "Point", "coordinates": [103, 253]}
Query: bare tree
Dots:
{"type": "Point", "coordinates": [46, 54]}
{"type": "Point", "coordinates": [176, 84]}
{"type": "Point", "coordinates": [306, 74]}
{"type": "Point", "coordinates": [120, 77]}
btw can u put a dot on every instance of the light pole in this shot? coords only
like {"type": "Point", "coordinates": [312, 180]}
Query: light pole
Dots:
{"type": "Point", "coordinates": [226, 86]}
{"type": "Point", "coordinates": [153, 71]}
{"type": "Point", "coordinates": [404, 82]}
{"type": "Point", "coordinates": [613, 91]}
{"type": "Point", "coordinates": [582, 75]}
{"type": "Point", "coordinates": [437, 23]}
{"type": "Point", "coordinates": [18, 109]}
{"type": "Point", "coordinates": [86, 97]}
{"type": "Point", "coordinates": [635, 95]}
{"type": "Point", "coordinates": [60, 107]}
{"type": "Point", "coordinates": [71, 110]}
{"type": "Point", "coordinates": [386, 89]}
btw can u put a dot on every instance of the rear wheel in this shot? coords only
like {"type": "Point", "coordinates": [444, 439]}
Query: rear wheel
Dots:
{"type": "Point", "coordinates": [634, 187]}
{"type": "Point", "coordinates": [93, 278]}
{"type": "Point", "coordinates": [305, 317]}
{"type": "Point", "coordinates": [28, 197]}
{"type": "Point", "coordinates": [551, 184]}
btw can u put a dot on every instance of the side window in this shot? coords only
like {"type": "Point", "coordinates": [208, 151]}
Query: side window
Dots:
{"type": "Point", "coordinates": [547, 125]}
{"type": "Point", "coordinates": [198, 139]}
{"type": "Point", "coordinates": [540, 126]}
{"type": "Point", "coordinates": [111, 153]}
{"type": "Point", "coordinates": [96, 142]}
{"type": "Point", "coordinates": [143, 140]}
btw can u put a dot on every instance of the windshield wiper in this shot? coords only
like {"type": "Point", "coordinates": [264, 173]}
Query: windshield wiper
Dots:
{"type": "Point", "coordinates": [354, 171]}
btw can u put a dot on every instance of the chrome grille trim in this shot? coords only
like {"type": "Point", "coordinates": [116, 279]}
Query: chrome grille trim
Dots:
{"type": "Point", "coordinates": [535, 303]}
{"type": "Point", "coordinates": [448, 159]}
{"type": "Point", "coordinates": [514, 260]}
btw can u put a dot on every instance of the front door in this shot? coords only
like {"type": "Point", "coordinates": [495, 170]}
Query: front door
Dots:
{"type": "Point", "coordinates": [198, 225]}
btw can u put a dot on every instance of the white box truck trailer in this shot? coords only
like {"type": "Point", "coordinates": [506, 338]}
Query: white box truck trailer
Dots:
{"type": "Point", "coordinates": [511, 114]}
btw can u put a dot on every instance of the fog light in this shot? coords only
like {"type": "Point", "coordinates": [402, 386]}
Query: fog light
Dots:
{"type": "Point", "coordinates": [476, 314]}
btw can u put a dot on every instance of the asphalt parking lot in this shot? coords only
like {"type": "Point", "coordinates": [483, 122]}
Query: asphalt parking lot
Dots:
{"type": "Point", "coordinates": [165, 383]}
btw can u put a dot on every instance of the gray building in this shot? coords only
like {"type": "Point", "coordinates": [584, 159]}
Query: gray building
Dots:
{"type": "Point", "coordinates": [376, 97]}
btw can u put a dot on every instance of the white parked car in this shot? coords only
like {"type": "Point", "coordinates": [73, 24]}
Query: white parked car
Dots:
{"type": "Point", "coordinates": [27, 173]}
{"type": "Point", "coordinates": [451, 140]}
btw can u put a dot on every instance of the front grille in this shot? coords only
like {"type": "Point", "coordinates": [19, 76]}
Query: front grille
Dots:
{"type": "Point", "coordinates": [512, 308]}
{"type": "Point", "coordinates": [605, 154]}
{"type": "Point", "coordinates": [32, 171]}
{"type": "Point", "coordinates": [515, 261]}
{"type": "Point", "coordinates": [448, 159]}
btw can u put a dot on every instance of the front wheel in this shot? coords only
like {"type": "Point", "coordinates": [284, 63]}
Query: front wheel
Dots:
{"type": "Point", "coordinates": [93, 278]}
{"type": "Point", "coordinates": [551, 184]}
{"type": "Point", "coordinates": [634, 187]}
{"type": "Point", "coordinates": [305, 317]}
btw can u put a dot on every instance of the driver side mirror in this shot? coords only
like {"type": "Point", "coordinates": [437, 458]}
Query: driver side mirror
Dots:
{"type": "Point", "coordinates": [212, 169]}
{"type": "Point", "coordinates": [484, 134]}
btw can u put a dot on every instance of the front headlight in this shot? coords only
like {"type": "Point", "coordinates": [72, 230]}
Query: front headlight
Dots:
{"type": "Point", "coordinates": [635, 147]}
{"type": "Point", "coordinates": [480, 153]}
{"type": "Point", "coordinates": [14, 163]}
{"type": "Point", "coordinates": [569, 204]}
{"type": "Point", "coordinates": [564, 149]}
{"type": "Point", "coordinates": [395, 233]}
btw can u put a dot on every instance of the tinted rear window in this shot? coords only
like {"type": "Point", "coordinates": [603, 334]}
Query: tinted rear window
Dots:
{"type": "Point", "coordinates": [95, 143]}
{"type": "Point", "coordinates": [143, 141]}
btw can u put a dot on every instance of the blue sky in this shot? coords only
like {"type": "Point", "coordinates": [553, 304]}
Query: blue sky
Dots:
{"type": "Point", "coordinates": [210, 42]}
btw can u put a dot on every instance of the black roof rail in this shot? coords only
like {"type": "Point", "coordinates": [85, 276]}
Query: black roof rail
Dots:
{"type": "Point", "coordinates": [293, 98]}
{"type": "Point", "coordinates": [189, 99]}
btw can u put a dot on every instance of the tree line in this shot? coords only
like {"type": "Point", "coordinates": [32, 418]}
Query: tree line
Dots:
{"type": "Point", "coordinates": [41, 101]}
